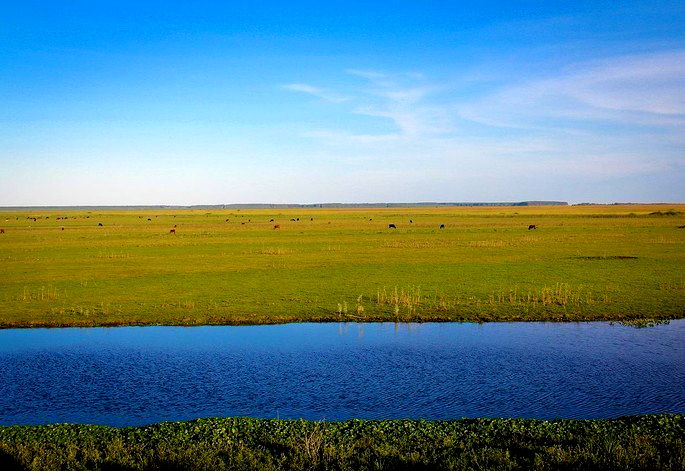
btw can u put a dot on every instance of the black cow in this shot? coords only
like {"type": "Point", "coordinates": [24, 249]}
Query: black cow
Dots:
{"type": "Point", "coordinates": [532, 226]}
{"type": "Point", "coordinates": [392, 226]}
{"type": "Point", "coordinates": [442, 226]}
{"type": "Point", "coordinates": [99, 224]}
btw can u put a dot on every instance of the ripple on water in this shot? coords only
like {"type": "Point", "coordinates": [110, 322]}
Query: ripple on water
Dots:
{"type": "Point", "coordinates": [132, 376]}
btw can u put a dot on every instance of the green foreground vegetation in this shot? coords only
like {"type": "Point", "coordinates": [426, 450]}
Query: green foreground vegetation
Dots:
{"type": "Point", "coordinates": [645, 442]}
{"type": "Point", "coordinates": [62, 268]}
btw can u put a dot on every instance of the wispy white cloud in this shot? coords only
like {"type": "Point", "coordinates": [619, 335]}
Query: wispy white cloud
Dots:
{"type": "Point", "coordinates": [639, 90]}
{"type": "Point", "coordinates": [591, 122]}
{"type": "Point", "coordinates": [324, 94]}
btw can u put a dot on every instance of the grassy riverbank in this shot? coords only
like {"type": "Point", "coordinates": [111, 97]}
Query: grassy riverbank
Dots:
{"type": "Point", "coordinates": [647, 442]}
{"type": "Point", "coordinates": [62, 268]}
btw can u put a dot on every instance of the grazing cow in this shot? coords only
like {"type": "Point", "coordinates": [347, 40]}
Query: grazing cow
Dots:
{"type": "Point", "coordinates": [311, 219]}
{"type": "Point", "coordinates": [174, 225]}
{"type": "Point", "coordinates": [277, 226]}
{"type": "Point", "coordinates": [411, 222]}
{"type": "Point", "coordinates": [62, 228]}
{"type": "Point", "coordinates": [99, 224]}
{"type": "Point", "coordinates": [149, 219]}
{"type": "Point", "coordinates": [2, 231]}
{"type": "Point", "coordinates": [271, 220]}
{"type": "Point", "coordinates": [442, 226]}
{"type": "Point", "coordinates": [298, 219]}
{"type": "Point", "coordinates": [293, 220]}
{"type": "Point", "coordinates": [681, 227]}
{"type": "Point", "coordinates": [172, 231]}
{"type": "Point", "coordinates": [226, 220]}
{"type": "Point", "coordinates": [392, 226]}
{"type": "Point", "coordinates": [532, 226]}
{"type": "Point", "coordinates": [370, 219]}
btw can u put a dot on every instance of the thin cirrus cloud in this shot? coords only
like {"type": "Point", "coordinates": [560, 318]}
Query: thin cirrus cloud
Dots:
{"type": "Point", "coordinates": [636, 90]}
{"type": "Point", "coordinates": [602, 119]}
{"type": "Point", "coordinates": [316, 91]}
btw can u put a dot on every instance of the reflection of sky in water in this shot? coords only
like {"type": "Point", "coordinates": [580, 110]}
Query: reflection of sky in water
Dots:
{"type": "Point", "coordinates": [136, 375]}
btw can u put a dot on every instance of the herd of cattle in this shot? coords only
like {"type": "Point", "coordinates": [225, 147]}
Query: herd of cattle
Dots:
{"type": "Point", "coordinates": [278, 226]}
{"type": "Point", "coordinates": [275, 226]}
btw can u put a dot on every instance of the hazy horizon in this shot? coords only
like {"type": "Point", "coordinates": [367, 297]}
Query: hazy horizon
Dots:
{"type": "Point", "coordinates": [347, 205]}
{"type": "Point", "coordinates": [201, 104]}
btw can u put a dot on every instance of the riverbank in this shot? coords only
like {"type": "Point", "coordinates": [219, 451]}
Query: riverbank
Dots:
{"type": "Point", "coordinates": [242, 267]}
{"type": "Point", "coordinates": [642, 442]}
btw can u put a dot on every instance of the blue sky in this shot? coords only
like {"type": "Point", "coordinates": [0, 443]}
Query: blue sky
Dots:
{"type": "Point", "coordinates": [211, 102]}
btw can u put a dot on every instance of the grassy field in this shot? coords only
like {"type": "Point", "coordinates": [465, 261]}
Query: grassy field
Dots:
{"type": "Point", "coordinates": [633, 443]}
{"type": "Point", "coordinates": [233, 267]}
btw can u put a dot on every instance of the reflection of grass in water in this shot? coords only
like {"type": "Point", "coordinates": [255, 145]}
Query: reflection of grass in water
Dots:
{"type": "Point", "coordinates": [644, 442]}
{"type": "Point", "coordinates": [642, 323]}
{"type": "Point", "coordinates": [485, 266]}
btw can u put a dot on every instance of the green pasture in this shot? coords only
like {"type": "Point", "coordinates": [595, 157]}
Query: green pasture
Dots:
{"type": "Point", "coordinates": [60, 268]}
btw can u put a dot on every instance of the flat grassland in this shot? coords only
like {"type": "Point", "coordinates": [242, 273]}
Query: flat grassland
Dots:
{"type": "Point", "coordinates": [233, 267]}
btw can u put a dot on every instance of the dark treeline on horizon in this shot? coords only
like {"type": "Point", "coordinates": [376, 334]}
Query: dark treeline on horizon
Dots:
{"type": "Point", "coordinates": [290, 205]}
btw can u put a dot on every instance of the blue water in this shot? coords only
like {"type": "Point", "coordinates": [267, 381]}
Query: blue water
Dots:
{"type": "Point", "coordinates": [140, 375]}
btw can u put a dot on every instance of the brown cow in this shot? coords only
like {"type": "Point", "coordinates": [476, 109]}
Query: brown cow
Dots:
{"type": "Point", "coordinates": [2, 231]}
{"type": "Point", "coordinates": [172, 231]}
{"type": "Point", "coordinates": [277, 226]}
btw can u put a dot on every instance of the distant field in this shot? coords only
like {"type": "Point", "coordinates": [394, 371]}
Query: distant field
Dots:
{"type": "Point", "coordinates": [233, 267]}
